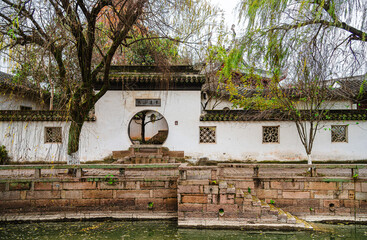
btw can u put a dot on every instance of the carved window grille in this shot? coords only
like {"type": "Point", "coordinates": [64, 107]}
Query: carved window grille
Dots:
{"type": "Point", "coordinates": [271, 134]}
{"type": "Point", "coordinates": [339, 133]}
{"type": "Point", "coordinates": [53, 135]}
{"type": "Point", "coordinates": [207, 134]}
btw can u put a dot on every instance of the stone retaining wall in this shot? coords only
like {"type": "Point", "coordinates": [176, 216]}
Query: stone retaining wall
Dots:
{"type": "Point", "coordinates": [240, 193]}
{"type": "Point", "coordinates": [156, 192]}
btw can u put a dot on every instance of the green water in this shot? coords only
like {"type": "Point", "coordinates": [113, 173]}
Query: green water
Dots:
{"type": "Point", "coordinates": [161, 230]}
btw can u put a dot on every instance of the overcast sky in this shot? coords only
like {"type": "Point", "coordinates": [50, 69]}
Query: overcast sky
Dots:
{"type": "Point", "coordinates": [229, 9]}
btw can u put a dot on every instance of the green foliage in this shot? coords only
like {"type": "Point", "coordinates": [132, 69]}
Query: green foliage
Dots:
{"type": "Point", "coordinates": [249, 190]}
{"type": "Point", "coordinates": [272, 201]}
{"type": "Point", "coordinates": [4, 157]}
{"type": "Point", "coordinates": [150, 205]}
{"type": "Point", "coordinates": [151, 49]}
{"type": "Point", "coordinates": [109, 178]}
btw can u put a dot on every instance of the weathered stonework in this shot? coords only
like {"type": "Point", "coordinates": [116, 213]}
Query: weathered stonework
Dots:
{"type": "Point", "coordinates": [227, 195]}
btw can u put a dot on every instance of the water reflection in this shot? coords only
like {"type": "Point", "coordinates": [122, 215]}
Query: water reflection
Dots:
{"type": "Point", "coordinates": [162, 230]}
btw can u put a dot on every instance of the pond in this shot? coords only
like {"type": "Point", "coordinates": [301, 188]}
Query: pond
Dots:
{"type": "Point", "coordinates": [162, 230]}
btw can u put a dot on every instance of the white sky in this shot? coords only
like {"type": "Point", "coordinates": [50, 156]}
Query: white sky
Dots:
{"type": "Point", "coordinates": [229, 9]}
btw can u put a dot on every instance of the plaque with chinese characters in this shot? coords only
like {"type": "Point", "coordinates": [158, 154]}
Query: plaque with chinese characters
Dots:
{"type": "Point", "coordinates": [148, 102]}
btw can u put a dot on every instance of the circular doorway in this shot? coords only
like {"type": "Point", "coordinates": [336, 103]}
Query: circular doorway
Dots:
{"type": "Point", "coordinates": [148, 127]}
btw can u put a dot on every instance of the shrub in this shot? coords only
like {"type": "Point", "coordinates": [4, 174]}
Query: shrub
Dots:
{"type": "Point", "coordinates": [4, 156]}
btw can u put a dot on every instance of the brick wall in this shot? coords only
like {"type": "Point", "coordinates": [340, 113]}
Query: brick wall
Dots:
{"type": "Point", "coordinates": [131, 192]}
{"type": "Point", "coordinates": [233, 192]}
{"type": "Point", "coordinates": [242, 191]}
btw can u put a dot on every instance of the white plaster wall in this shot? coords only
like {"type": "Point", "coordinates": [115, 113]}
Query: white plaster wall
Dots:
{"type": "Point", "coordinates": [116, 108]}
{"type": "Point", "coordinates": [234, 140]}
{"type": "Point", "coordinates": [243, 141]}
{"type": "Point", "coordinates": [13, 102]}
{"type": "Point", "coordinates": [335, 104]}
{"type": "Point", "coordinates": [25, 141]}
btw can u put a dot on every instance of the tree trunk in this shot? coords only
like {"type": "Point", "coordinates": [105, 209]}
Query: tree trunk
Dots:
{"type": "Point", "coordinates": [309, 159]}
{"type": "Point", "coordinates": [143, 129]}
{"type": "Point", "coordinates": [73, 143]}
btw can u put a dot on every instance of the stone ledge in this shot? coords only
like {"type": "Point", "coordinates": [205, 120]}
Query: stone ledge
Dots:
{"type": "Point", "coordinates": [223, 224]}
{"type": "Point", "coordinates": [87, 215]}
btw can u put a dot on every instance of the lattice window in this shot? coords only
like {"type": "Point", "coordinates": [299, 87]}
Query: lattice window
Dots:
{"type": "Point", "coordinates": [271, 134]}
{"type": "Point", "coordinates": [207, 134]}
{"type": "Point", "coordinates": [339, 133]}
{"type": "Point", "coordinates": [53, 135]}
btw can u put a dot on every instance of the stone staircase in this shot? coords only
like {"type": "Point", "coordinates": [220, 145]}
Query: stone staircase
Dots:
{"type": "Point", "coordinates": [147, 154]}
{"type": "Point", "coordinates": [204, 204]}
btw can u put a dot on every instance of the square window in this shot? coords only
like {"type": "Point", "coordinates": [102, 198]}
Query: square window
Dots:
{"type": "Point", "coordinates": [53, 135]}
{"type": "Point", "coordinates": [339, 133]}
{"type": "Point", "coordinates": [207, 134]}
{"type": "Point", "coordinates": [271, 134]}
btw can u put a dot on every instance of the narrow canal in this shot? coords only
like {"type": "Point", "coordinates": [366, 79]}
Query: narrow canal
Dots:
{"type": "Point", "coordinates": [162, 230]}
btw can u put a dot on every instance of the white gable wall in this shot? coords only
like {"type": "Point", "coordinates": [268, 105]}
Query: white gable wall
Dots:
{"type": "Point", "coordinates": [13, 102]}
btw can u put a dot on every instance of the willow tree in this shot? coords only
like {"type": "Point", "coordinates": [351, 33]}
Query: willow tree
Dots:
{"type": "Point", "coordinates": [92, 32]}
{"type": "Point", "coordinates": [306, 41]}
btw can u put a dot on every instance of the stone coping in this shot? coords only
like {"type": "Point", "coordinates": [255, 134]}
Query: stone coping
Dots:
{"type": "Point", "coordinates": [86, 215]}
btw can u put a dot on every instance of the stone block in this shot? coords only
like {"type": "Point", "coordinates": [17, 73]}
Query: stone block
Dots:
{"type": "Point", "coordinates": [321, 185]}
{"type": "Point", "coordinates": [54, 203]}
{"type": "Point", "coordinates": [296, 194]}
{"type": "Point", "coordinates": [323, 194]}
{"type": "Point", "coordinates": [223, 199]}
{"type": "Point", "coordinates": [244, 185]}
{"type": "Point", "coordinates": [331, 203]}
{"type": "Point", "coordinates": [19, 186]}
{"type": "Point", "coordinates": [130, 185]}
{"type": "Point", "coordinates": [142, 204]}
{"type": "Point", "coordinates": [361, 196]}
{"type": "Point", "coordinates": [164, 193]}
{"type": "Point", "coordinates": [227, 208]}
{"type": "Point", "coordinates": [364, 187]}
{"type": "Point", "coordinates": [348, 186]}
{"type": "Point", "coordinates": [285, 202]}
{"type": "Point", "coordinates": [13, 195]}
{"type": "Point", "coordinates": [84, 202]}
{"type": "Point", "coordinates": [194, 215]}
{"type": "Point", "coordinates": [176, 154]}
{"type": "Point", "coordinates": [350, 203]}
{"type": "Point", "coordinates": [231, 190]}
{"type": "Point", "coordinates": [43, 194]}
{"type": "Point", "coordinates": [15, 204]}
{"type": "Point", "coordinates": [43, 186]}
{"type": "Point", "coordinates": [189, 189]}
{"type": "Point", "coordinates": [222, 184]}
{"type": "Point", "coordinates": [71, 194]}
{"type": "Point", "coordinates": [211, 189]}
{"type": "Point", "coordinates": [2, 187]}
{"type": "Point", "coordinates": [344, 194]}
{"type": "Point", "coordinates": [96, 194]}
{"type": "Point", "coordinates": [194, 182]}
{"type": "Point", "coordinates": [79, 185]}
{"type": "Point", "coordinates": [266, 193]}
{"type": "Point", "coordinates": [191, 207]}
{"type": "Point", "coordinates": [313, 203]}
{"type": "Point", "coordinates": [194, 198]}
{"type": "Point", "coordinates": [106, 185]}
{"type": "Point", "coordinates": [120, 154]}
{"type": "Point", "coordinates": [152, 184]}
{"type": "Point", "coordinates": [121, 204]}
{"type": "Point", "coordinates": [285, 185]}
{"type": "Point", "coordinates": [171, 204]}
{"type": "Point", "coordinates": [132, 193]}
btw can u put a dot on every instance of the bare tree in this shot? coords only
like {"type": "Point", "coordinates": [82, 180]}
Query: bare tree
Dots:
{"type": "Point", "coordinates": [73, 27]}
